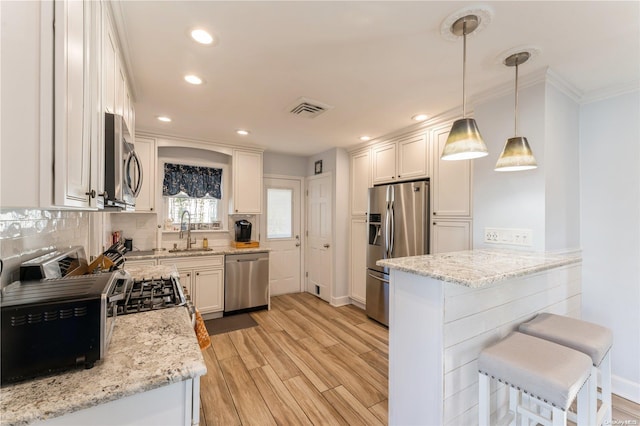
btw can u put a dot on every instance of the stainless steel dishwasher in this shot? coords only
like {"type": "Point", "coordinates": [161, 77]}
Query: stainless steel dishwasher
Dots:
{"type": "Point", "coordinates": [246, 282]}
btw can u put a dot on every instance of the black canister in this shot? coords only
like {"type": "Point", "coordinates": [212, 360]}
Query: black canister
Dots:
{"type": "Point", "coordinates": [243, 231]}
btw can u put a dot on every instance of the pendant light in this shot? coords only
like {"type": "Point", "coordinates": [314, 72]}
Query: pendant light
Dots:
{"type": "Point", "coordinates": [516, 154]}
{"type": "Point", "coordinates": [464, 141]}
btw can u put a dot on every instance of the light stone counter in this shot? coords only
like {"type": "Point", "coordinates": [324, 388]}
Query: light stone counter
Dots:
{"type": "Point", "coordinates": [478, 268]}
{"type": "Point", "coordinates": [148, 350]}
{"type": "Point", "coordinates": [164, 254]}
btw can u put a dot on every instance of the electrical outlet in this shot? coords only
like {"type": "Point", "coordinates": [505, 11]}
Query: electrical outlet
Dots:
{"type": "Point", "coordinates": [516, 237]}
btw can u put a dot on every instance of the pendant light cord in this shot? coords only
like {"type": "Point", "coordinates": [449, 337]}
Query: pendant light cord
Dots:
{"type": "Point", "coordinates": [464, 67]}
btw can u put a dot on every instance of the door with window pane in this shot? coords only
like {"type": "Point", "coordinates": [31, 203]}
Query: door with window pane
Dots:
{"type": "Point", "coordinates": [281, 233]}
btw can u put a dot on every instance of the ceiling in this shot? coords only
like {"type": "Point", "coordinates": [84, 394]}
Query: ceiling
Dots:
{"type": "Point", "coordinates": [376, 63]}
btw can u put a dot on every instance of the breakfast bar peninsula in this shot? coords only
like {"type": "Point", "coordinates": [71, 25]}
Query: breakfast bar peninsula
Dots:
{"type": "Point", "coordinates": [445, 308]}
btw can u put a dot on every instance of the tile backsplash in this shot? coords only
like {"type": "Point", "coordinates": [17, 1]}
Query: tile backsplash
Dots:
{"type": "Point", "coordinates": [28, 233]}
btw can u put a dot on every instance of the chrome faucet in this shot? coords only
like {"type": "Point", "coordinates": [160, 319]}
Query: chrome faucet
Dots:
{"type": "Point", "coordinates": [181, 235]}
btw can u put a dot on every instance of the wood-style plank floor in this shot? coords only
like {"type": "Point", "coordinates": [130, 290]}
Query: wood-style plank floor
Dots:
{"type": "Point", "coordinates": [308, 363]}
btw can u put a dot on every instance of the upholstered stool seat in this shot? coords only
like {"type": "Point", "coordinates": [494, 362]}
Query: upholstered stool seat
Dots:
{"type": "Point", "coordinates": [551, 373]}
{"type": "Point", "coordinates": [591, 339]}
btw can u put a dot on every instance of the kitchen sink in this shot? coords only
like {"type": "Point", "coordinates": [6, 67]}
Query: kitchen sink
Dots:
{"type": "Point", "coordinates": [190, 250]}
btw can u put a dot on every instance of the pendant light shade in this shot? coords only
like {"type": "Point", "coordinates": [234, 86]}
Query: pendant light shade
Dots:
{"type": "Point", "coordinates": [516, 155]}
{"type": "Point", "coordinates": [464, 141]}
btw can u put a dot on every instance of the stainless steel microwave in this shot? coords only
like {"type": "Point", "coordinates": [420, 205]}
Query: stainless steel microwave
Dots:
{"type": "Point", "coordinates": [123, 170]}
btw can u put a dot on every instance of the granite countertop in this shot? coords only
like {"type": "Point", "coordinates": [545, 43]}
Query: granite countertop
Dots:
{"type": "Point", "coordinates": [162, 254]}
{"type": "Point", "coordinates": [150, 272]}
{"type": "Point", "coordinates": [477, 268]}
{"type": "Point", "coordinates": [147, 350]}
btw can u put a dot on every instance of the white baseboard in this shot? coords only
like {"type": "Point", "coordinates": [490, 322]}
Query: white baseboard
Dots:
{"type": "Point", "coordinates": [340, 301]}
{"type": "Point", "coordinates": [625, 388]}
{"type": "Point", "coordinates": [358, 304]}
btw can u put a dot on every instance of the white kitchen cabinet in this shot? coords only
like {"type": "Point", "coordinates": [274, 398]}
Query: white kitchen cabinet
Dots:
{"type": "Point", "coordinates": [405, 158]}
{"type": "Point", "coordinates": [451, 183]}
{"type": "Point", "coordinates": [358, 260]}
{"type": "Point", "coordinates": [148, 154]}
{"type": "Point", "coordinates": [247, 182]}
{"type": "Point", "coordinates": [360, 182]}
{"type": "Point", "coordinates": [109, 64]}
{"type": "Point", "coordinates": [203, 277]}
{"type": "Point", "coordinates": [209, 290]}
{"type": "Point", "coordinates": [450, 235]}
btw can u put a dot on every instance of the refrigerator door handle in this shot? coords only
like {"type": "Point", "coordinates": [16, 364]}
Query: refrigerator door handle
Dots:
{"type": "Point", "coordinates": [386, 232]}
{"type": "Point", "coordinates": [393, 230]}
{"type": "Point", "coordinates": [378, 278]}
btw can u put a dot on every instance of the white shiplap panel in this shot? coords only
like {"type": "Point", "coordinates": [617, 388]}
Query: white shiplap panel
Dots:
{"type": "Point", "coordinates": [469, 303]}
{"type": "Point", "coordinates": [523, 307]}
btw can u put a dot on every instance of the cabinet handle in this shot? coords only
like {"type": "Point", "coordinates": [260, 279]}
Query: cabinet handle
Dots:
{"type": "Point", "coordinates": [198, 273]}
{"type": "Point", "coordinates": [105, 194]}
{"type": "Point", "coordinates": [399, 176]}
{"type": "Point", "coordinates": [326, 246]}
{"type": "Point", "coordinates": [434, 223]}
{"type": "Point", "coordinates": [188, 275]}
{"type": "Point", "coordinates": [91, 194]}
{"type": "Point", "coordinates": [151, 209]}
{"type": "Point", "coordinates": [434, 213]}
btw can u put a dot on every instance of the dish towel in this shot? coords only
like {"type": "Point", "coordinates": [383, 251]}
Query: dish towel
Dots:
{"type": "Point", "coordinates": [201, 332]}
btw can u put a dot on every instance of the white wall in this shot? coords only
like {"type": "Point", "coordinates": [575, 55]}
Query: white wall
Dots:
{"type": "Point", "coordinates": [275, 163]}
{"type": "Point", "coordinates": [510, 199]}
{"type": "Point", "coordinates": [610, 229]}
{"type": "Point", "coordinates": [562, 175]}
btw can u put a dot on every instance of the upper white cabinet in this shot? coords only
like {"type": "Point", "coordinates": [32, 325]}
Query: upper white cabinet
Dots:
{"type": "Point", "coordinates": [77, 127]}
{"type": "Point", "coordinates": [148, 154]}
{"type": "Point", "coordinates": [451, 183]}
{"type": "Point", "coordinates": [247, 182]}
{"type": "Point", "coordinates": [360, 181]}
{"type": "Point", "coordinates": [404, 158]}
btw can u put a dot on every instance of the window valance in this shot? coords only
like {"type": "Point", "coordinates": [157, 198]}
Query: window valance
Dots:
{"type": "Point", "coordinates": [195, 181]}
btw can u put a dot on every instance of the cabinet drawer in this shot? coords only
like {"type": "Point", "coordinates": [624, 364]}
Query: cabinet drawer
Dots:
{"type": "Point", "coordinates": [194, 262]}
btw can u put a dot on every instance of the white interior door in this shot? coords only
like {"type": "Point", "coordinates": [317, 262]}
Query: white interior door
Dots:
{"type": "Point", "coordinates": [319, 265]}
{"type": "Point", "coordinates": [281, 233]}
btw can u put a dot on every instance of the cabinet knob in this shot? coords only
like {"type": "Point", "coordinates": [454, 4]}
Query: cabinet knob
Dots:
{"type": "Point", "coordinates": [91, 194]}
{"type": "Point", "coordinates": [326, 246]}
{"type": "Point", "coordinates": [105, 195]}
{"type": "Point", "coordinates": [188, 275]}
{"type": "Point", "coordinates": [151, 209]}
{"type": "Point", "coordinates": [434, 213]}
{"type": "Point", "coordinates": [197, 273]}
{"type": "Point", "coordinates": [434, 223]}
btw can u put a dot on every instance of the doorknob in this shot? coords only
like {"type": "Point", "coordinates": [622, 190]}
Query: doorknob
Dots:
{"type": "Point", "coordinates": [326, 246]}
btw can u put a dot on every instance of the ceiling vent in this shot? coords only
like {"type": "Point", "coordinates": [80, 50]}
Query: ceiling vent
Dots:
{"type": "Point", "coordinates": [308, 108]}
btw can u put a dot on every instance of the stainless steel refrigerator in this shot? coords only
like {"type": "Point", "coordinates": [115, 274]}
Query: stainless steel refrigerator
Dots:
{"type": "Point", "coordinates": [398, 227]}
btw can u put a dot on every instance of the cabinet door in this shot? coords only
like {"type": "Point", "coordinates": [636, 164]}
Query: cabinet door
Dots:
{"type": "Point", "coordinates": [120, 87]}
{"type": "Point", "coordinates": [358, 261]}
{"type": "Point", "coordinates": [412, 157]}
{"type": "Point", "coordinates": [247, 182]}
{"type": "Point", "coordinates": [110, 53]}
{"type": "Point", "coordinates": [186, 281]}
{"type": "Point", "coordinates": [384, 163]}
{"type": "Point", "coordinates": [146, 150]}
{"type": "Point", "coordinates": [145, 262]}
{"type": "Point", "coordinates": [72, 111]}
{"type": "Point", "coordinates": [360, 182]}
{"type": "Point", "coordinates": [449, 236]}
{"type": "Point", "coordinates": [209, 290]}
{"type": "Point", "coordinates": [451, 181]}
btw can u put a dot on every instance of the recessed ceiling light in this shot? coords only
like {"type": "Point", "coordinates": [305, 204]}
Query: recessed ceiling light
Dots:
{"type": "Point", "coordinates": [242, 132]}
{"type": "Point", "coordinates": [365, 138]}
{"type": "Point", "coordinates": [193, 79]}
{"type": "Point", "coordinates": [163, 118]}
{"type": "Point", "coordinates": [419, 117]}
{"type": "Point", "coordinates": [201, 36]}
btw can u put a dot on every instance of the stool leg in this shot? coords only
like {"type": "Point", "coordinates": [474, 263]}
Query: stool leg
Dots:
{"type": "Point", "coordinates": [593, 396]}
{"type": "Point", "coordinates": [484, 399]}
{"type": "Point", "coordinates": [514, 402]}
{"type": "Point", "coordinates": [605, 370]}
{"type": "Point", "coordinates": [586, 412]}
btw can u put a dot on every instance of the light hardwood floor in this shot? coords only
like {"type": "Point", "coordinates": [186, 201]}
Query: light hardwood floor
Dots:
{"type": "Point", "coordinates": [307, 363]}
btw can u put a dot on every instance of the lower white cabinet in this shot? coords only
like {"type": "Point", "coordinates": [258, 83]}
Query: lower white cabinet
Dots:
{"type": "Point", "coordinates": [358, 260]}
{"type": "Point", "coordinates": [203, 277]}
{"type": "Point", "coordinates": [450, 235]}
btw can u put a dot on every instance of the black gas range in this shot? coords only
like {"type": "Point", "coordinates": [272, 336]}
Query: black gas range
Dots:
{"type": "Point", "coordinates": [149, 294]}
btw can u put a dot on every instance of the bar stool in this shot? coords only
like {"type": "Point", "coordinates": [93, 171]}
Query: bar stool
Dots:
{"type": "Point", "coordinates": [551, 374]}
{"type": "Point", "coordinates": [591, 339]}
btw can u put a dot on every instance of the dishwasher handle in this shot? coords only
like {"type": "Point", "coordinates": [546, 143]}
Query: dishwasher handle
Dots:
{"type": "Point", "coordinates": [255, 259]}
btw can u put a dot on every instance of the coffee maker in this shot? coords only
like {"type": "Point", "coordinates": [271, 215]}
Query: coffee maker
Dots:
{"type": "Point", "coordinates": [243, 231]}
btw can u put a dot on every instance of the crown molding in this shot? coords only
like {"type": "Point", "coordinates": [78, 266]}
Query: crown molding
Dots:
{"type": "Point", "coordinates": [611, 91]}
{"type": "Point", "coordinates": [115, 8]}
{"type": "Point", "coordinates": [507, 88]}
